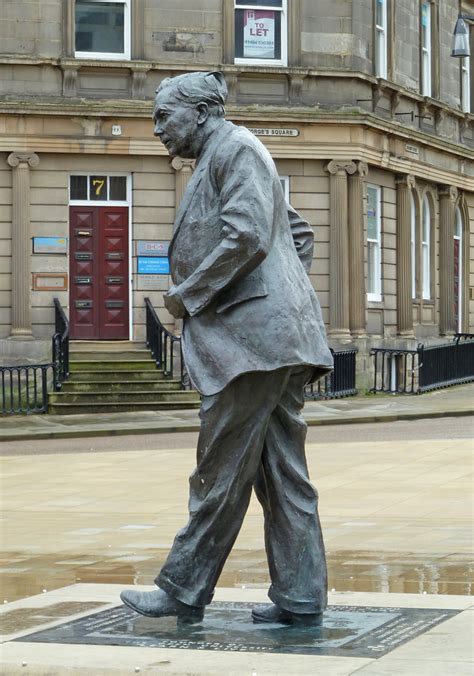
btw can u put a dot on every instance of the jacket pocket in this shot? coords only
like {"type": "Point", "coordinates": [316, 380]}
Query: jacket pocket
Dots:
{"type": "Point", "coordinates": [248, 288]}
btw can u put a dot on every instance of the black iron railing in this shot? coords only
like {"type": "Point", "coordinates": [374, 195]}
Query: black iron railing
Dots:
{"type": "Point", "coordinates": [60, 346]}
{"type": "Point", "coordinates": [164, 346]}
{"type": "Point", "coordinates": [24, 389]}
{"type": "Point", "coordinates": [458, 337]}
{"type": "Point", "coordinates": [396, 371]}
{"type": "Point", "coordinates": [339, 383]}
{"type": "Point", "coordinates": [424, 368]}
{"type": "Point", "coordinates": [446, 365]}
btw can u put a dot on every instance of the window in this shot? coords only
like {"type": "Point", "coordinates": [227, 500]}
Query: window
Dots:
{"type": "Point", "coordinates": [98, 188]}
{"type": "Point", "coordinates": [426, 48]}
{"type": "Point", "coordinates": [381, 38]}
{"type": "Point", "coordinates": [374, 243]}
{"type": "Point", "coordinates": [261, 32]}
{"type": "Point", "coordinates": [413, 245]}
{"type": "Point", "coordinates": [466, 84]}
{"type": "Point", "coordinates": [458, 271]}
{"type": "Point", "coordinates": [102, 29]}
{"type": "Point", "coordinates": [426, 249]}
{"type": "Point", "coordinates": [285, 184]}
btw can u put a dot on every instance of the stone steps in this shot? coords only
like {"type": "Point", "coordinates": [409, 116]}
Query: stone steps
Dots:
{"type": "Point", "coordinates": [114, 376]}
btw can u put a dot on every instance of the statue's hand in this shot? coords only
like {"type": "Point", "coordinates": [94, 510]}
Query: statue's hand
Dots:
{"type": "Point", "coordinates": [174, 304]}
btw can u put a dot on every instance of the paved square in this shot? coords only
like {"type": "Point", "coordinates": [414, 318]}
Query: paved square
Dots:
{"type": "Point", "coordinates": [348, 631]}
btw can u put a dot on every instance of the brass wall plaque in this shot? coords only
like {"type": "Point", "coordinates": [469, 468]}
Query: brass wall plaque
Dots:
{"type": "Point", "coordinates": [49, 281]}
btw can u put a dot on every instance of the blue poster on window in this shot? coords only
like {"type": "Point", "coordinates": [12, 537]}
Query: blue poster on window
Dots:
{"type": "Point", "coordinates": [148, 265]}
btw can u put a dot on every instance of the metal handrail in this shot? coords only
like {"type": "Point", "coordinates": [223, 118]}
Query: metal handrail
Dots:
{"type": "Point", "coordinates": [60, 345]}
{"type": "Point", "coordinates": [162, 344]}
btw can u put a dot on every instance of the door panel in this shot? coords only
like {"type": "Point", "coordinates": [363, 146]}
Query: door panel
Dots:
{"type": "Point", "coordinates": [114, 272]}
{"type": "Point", "coordinates": [99, 273]}
{"type": "Point", "coordinates": [84, 288]}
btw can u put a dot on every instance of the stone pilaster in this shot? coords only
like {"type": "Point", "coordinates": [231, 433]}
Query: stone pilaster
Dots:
{"type": "Point", "coordinates": [405, 184]}
{"type": "Point", "coordinates": [21, 244]}
{"type": "Point", "coordinates": [357, 292]}
{"type": "Point", "coordinates": [447, 202]}
{"type": "Point", "coordinates": [184, 170]}
{"type": "Point", "coordinates": [339, 248]}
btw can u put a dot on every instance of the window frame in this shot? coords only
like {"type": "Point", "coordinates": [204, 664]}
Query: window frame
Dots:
{"type": "Point", "coordinates": [285, 184]}
{"type": "Point", "coordinates": [101, 203]}
{"type": "Point", "coordinates": [375, 295]}
{"type": "Point", "coordinates": [426, 51]}
{"type": "Point", "coordinates": [127, 33]}
{"type": "Point", "coordinates": [283, 61]}
{"type": "Point", "coordinates": [413, 245]}
{"type": "Point", "coordinates": [458, 235]}
{"type": "Point", "coordinates": [425, 239]}
{"type": "Point", "coordinates": [466, 84]}
{"type": "Point", "coordinates": [381, 39]}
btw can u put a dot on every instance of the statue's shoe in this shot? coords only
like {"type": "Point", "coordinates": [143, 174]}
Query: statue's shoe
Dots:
{"type": "Point", "coordinates": [158, 603]}
{"type": "Point", "coordinates": [275, 614]}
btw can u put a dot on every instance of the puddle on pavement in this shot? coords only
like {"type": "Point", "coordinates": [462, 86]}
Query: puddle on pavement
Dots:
{"type": "Point", "coordinates": [21, 619]}
{"type": "Point", "coordinates": [24, 575]}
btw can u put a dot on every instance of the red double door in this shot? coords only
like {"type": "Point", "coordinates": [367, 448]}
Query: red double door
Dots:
{"type": "Point", "coordinates": [98, 282]}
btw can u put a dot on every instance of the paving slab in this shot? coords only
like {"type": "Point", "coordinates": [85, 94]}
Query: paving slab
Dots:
{"type": "Point", "coordinates": [447, 644]}
{"type": "Point", "coordinates": [454, 401]}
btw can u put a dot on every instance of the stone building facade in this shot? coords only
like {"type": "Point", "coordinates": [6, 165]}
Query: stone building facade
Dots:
{"type": "Point", "coordinates": [360, 103]}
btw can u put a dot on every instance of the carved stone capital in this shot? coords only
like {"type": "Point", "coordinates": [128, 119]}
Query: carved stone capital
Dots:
{"type": "Point", "coordinates": [377, 93]}
{"type": "Point", "coordinates": [449, 192]}
{"type": "Point", "coordinates": [341, 167]}
{"type": "Point", "coordinates": [395, 97]}
{"type": "Point", "coordinates": [69, 81]}
{"type": "Point", "coordinates": [296, 87]}
{"type": "Point", "coordinates": [407, 180]}
{"type": "Point", "coordinates": [138, 82]}
{"type": "Point", "coordinates": [179, 163]}
{"type": "Point", "coordinates": [232, 81]}
{"type": "Point", "coordinates": [15, 159]}
{"type": "Point", "coordinates": [463, 126]}
{"type": "Point", "coordinates": [362, 169]}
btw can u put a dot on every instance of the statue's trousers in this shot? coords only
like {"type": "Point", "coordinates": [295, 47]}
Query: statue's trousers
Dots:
{"type": "Point", "coordinates": [252, 434]}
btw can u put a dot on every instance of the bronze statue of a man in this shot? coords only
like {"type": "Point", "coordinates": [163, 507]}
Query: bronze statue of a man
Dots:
{"type": "Point", "coordinates": [253, 337]}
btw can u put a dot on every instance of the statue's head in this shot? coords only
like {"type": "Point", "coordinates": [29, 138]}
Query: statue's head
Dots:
{"type": "Point", "coordinates": [184, 107]}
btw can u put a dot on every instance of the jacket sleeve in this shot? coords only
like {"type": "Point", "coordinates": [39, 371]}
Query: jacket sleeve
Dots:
{"type": "Point", "coordinates": [303, 237]}
{"type": "Point", "coordinates": [244, 180]}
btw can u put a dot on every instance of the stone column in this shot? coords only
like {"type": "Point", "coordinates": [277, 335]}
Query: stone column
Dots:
{"type": "Point", "coordinates": [184, 170]}
{"type": "Point", "coordinates": [339, 249]}
{"type": "Point", "coordinates": [447, 201]}
{"type": "Point", "coordinates": [357, 291]}
{"type": "Point", "coordinates": [21, 244]}
{"type": "Point", "coordinates": [405, 184]}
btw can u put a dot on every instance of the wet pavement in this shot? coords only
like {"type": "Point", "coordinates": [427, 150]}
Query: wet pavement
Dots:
{"type": "Point", "coordinates": [395, 501]}
{"type": "Point", "coordinates": [82, 518]}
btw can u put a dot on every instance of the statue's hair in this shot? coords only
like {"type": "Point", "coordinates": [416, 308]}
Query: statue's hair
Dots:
{"type": "Point", "coordinates": [195, 88]}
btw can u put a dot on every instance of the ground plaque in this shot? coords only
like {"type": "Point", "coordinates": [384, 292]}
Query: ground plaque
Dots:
{"type": "Point", "coordinates": [347, 631]}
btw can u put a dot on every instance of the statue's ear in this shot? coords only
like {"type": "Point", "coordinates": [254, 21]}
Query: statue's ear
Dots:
{"type": "Point", "coordinates": [203, 112]}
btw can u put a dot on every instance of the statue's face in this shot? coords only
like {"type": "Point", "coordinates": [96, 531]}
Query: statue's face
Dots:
{"type": "Point", "coordinates": [175, 124]}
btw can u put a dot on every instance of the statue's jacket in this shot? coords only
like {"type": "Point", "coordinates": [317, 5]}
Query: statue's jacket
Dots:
{"type": "Point", "coordinates": [239, 259]}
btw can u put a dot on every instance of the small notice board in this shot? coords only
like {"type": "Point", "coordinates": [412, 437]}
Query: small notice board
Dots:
{"type": "Point", "coordinates": [148, 265]}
